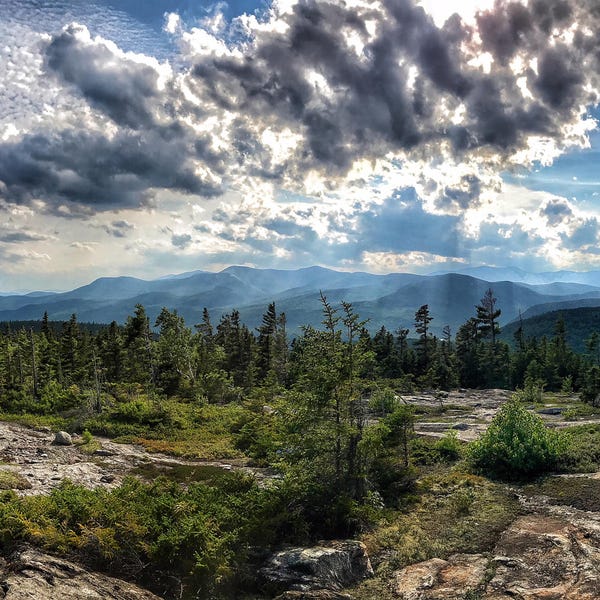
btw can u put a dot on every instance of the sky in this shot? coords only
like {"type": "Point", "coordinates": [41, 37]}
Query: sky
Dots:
{"type": "Point", "coordinates": [148, 137]}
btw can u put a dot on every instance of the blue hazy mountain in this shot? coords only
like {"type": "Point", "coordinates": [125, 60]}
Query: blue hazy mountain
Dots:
{"type": "Point", "coordinates": [389, 300]}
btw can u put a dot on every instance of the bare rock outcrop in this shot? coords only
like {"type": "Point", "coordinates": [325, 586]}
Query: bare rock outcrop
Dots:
{"type": "Point", "coordinates": [539, 557]}
{"type": "Point", "coordinates": [314, 595]}
{"type": "Point", "coordinates": [441, 579]}
{"type": "Point", "coordinates": [328, 566]}
{"type": "Point", "coordinates": [32, 574]}
{"type": "Point", "coordinates": [546, 557]}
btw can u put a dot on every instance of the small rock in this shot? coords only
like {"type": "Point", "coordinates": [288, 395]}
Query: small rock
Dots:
{"type": "Point", "coordinates": [554, 410]}
{"type": "Point", "coordinates": [62, 438]}
{"type": "Point", "coordinates": [107, 478]}
{"type": "Point", "coordinates": [461, 426]}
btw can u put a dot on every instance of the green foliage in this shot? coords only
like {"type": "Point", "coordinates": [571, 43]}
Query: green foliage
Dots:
{"type": "Point", "coordinates": [583, 449]}
{"type": "Point", "coordinates": [517, 444]}
{"type": "Point", "coordinates": [450, 513]}
{"type": "Point", "coordinates": [383, 401]}
{"type": "Point", "coordinates": [449, 447]}
{"type": "Point", "coordinates": [590, 391]}
{"type": "Point", "coordinates": [201, 532]}
{"type": "Point", "coordinates": [532, 392]}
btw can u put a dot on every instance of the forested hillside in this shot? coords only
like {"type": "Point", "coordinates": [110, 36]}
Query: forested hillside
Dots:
{"type": "Point", "coordinates": [322, 413]}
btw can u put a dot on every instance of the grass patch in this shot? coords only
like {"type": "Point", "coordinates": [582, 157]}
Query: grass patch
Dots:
{"type": "Point", "coordinates": [89, 447]}
{"type": "Point", "coordinates": [55, 423]}
{"type": "Point", "coordinates": [579, 492]}
{"type": "Point", "coordinates": [9, 480]}
{"type": "Point", "coordinates": [185, 474]}
{"type": "Point", "coordinates": [583, 449]}
{"type": "Point", "coordinates": [580, 411]}
{"type": "Point", "coordinates": [185, 429]}
{"type": "Point", "coordinates": [453, 512]}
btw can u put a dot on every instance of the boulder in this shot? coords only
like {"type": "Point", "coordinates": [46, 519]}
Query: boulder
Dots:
{"type": "Point", "coordinates": [327, 566]}
{"type": "Point", "coordinates": [539, 557]}
{"type": "Point", "coordinates": [314, 595]}
{"type": "Point", "coordinates": [62, 438]}
{"type": "Point", "coordinates": [438, 579]}
{"type": "Point", "coordinates": [32, 574]}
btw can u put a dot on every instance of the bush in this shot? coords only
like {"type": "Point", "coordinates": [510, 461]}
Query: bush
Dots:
{"type": "Point", "coordinates": [449, 447]}
{"type": "Point", "coordinates": [517, 444]}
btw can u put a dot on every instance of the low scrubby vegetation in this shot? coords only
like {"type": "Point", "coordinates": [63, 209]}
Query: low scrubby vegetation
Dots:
{"type": "Point", "coordinates": [324, 414]}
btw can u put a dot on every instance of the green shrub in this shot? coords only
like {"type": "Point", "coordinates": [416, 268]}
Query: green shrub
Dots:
{"type": "Point", "coordinates": [449, 447]}
{"type": "Point", "coordinates": [517, 444]}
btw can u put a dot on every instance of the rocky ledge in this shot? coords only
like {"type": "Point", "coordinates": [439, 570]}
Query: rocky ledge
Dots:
{"type": "Point", "coordinates": [28, 573]}
{"type": "Point", "coordinates": [552, 556]}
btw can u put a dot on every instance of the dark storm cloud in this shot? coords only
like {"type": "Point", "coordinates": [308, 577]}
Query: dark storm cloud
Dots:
{"type": "Point", "coordinates": [17, 237]}
{"type": "Point", "coordinates": [370, 106]}
{"type": "Point", "coordinates": [123, 89]}
{"type": "Point", "coordinates": [462, 196]}
{"type": "Point", "coordinates": [90, 170]}
{"type": "Point", "coordinates": [413, 88]}
{"type": "Point", "coordinates": [556, 211]}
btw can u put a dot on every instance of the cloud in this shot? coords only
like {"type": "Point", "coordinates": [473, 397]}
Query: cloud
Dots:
{"type": "Point", "coordinates": [87, 246]}
{"type": "Point", "coordinates": [181, 241]}
{"type": "Point", "coordinates": [17, 237]}
{"type": "Point", "coordinates": [117, 229]}
{"type": "Point", "coordinates": [91, 170]}
{"type": "Point", "coordinates": [124, 89]}
{"type": "Point", "coordinates": [410, 86]}
{"type": "Point", "coordinates": [344, 101]}
{"type": "Point", "coordinates": [583, 236]}
{"type": "Point", "coordinates": [556, 211]}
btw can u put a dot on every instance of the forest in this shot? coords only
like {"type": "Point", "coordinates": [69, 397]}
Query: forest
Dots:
{"type": "Point", "coordinates": [220, 363]}
{"type": "Point", "coordinates": [322, 412]}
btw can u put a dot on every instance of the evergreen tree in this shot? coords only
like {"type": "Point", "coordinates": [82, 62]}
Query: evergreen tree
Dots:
{"type": "Point", "coordinates": [138, 346]}
{"type": "Point", "coordinates": [487, 316]}
{"type": "Point", "coordinates": [422, 320]}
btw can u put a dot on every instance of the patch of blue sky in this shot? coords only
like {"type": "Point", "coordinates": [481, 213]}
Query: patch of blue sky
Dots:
{"type": "Point", "coordinates": [134, 25]}
{"type": "Point", "coordinates": [574, 175]}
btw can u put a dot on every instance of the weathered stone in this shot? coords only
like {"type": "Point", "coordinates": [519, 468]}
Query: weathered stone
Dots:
{"type": "Point", "coordinates": [32, 574]}
{"type": "Point", "coordinates": [328, 566]}
{"type": "Point", "coordinates": [314, 595]}
{"type": "Point", "coordinates": [62, 438]}
{"type": "Point", "coordinates": [539, 557]}
{"type": "Point", "coordinates": [546, 558]}
{"type": "Point", "coordinates": [438, 579]}
{"type": "Point", "coordinates": [553, 410]}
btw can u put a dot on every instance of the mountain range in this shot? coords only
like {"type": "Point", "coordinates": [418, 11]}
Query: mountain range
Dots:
{"type": "Point", "coordinates": [389, 300]}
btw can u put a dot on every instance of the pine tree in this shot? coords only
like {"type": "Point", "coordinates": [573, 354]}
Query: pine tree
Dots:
{"type": "Point", "coordinates": [487, 316]}
{"type": "Point", "coordinates": [422, 320]}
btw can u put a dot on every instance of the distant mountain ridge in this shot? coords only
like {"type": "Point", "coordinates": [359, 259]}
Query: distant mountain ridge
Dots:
{"type": "Point", "coordinates": [516, 275]}
{"type": "Point", "coordinates": [389, 300]}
